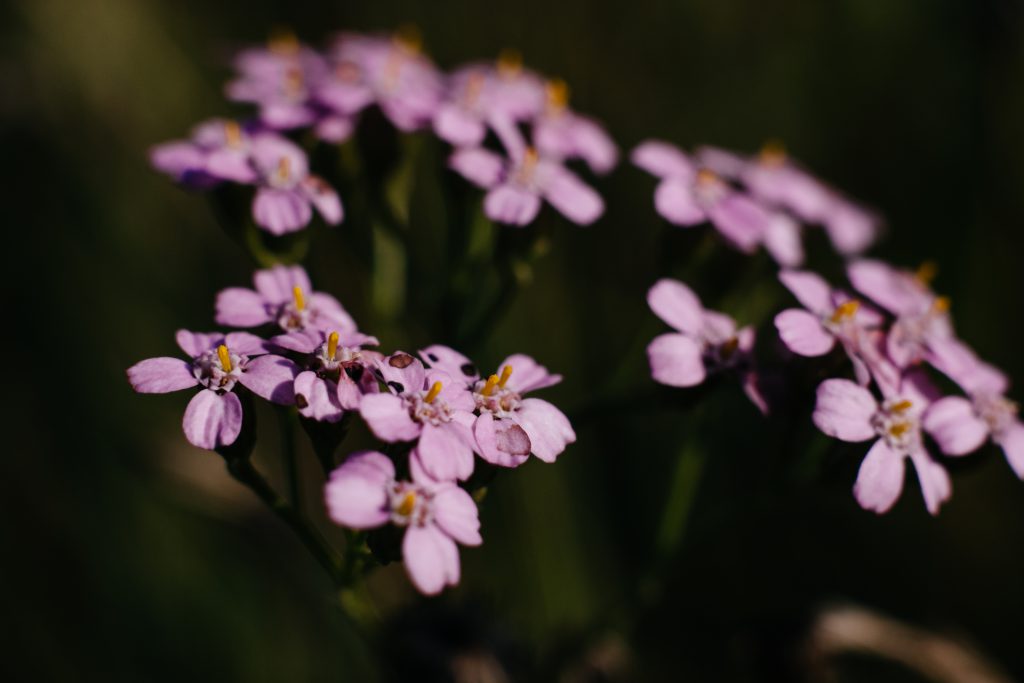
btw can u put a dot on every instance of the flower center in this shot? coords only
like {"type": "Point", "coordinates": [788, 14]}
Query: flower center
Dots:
{"type": "Point", "coordinates": [997, 411]}
{"type": "Point", "coordinates": [294, 315]}
{"type": "Point", "coordinates": [330, 359]}
{"type": "Point", "coordinates": [347, 72]}
{"type": "Point", "coordinates": [557, 92]}
{"type": "Point", "coordinates": [894, 423]}
{"type": "Point", "coordinates": [425, 408]}
{"type": "Point", "coordinates": [218, 369]}
{"type": "Point", "coordinates": [773, 154]}
{"type": "Point", "coordinates": [283, 172]}
{"type": "Point", "coordinates": [410, 504]}
{"type": "Point", "coordinates": [845, 311]}
{"type": "Point", "coordinates": [493, 396]}
{"type": "Point", "coordinates": [527, 167]}
{"type": "Point", "coordinates": [232, 134]}
{"type": "Point", "coordinates": [708, 187]}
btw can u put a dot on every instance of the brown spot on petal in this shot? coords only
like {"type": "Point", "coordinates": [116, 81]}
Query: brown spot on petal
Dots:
{"type": "Point", "coordinates": [400, 360]}
{"type": "Point", "coordinates": [514, 440]}
{"type": "Point", "coordinates": [397, 386]}
{"type": "Point", "coordinates": [301, 401]}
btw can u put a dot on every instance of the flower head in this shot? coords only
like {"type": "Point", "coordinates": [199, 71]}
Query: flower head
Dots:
{"type": "Point", "coordinates": [217, 150]}
{"type": "Point", "coordinates": [561, 133]}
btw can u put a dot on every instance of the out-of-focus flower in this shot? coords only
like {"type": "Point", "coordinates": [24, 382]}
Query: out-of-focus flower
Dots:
{"type": "Point", "coordinates": [217, 150]}
{"type": "Point", "coordinates": [561, 133]}
{"type": "Point", "coordinates": [218, 362]}
{"type": "Point", "coordinates": [426, 406]}
{"type": "Point", "coordinates": [688, 195]}
{"type": "Point", "coordinates": [922, 318]}
{"type": "Point", "coordinates": [517, 184]}
{"type": "Point", "coordinates": [363, 493]}
{"type": "Point", "coordinates": [287, 191]}
{"type": "Point", "coordinates": [705, 342]}
{"type": "Point", "coordinates": [283, 295]}
{"type": "Point", "coordinates": [850, 412]}
{"type": "Point", "coordinates": [510, 427]}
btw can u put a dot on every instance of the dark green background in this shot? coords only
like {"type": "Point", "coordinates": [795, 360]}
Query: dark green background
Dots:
{"type": "Point", "coordinates": [127, 555]}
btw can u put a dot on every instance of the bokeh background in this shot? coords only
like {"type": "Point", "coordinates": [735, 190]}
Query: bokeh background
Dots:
{"type": "Point", "coordinates": [128, 555]}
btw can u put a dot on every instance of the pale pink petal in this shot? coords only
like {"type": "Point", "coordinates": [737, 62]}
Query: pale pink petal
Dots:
{"type": "Point", "coordinates": [677, 305]}
{"type": "Point", "coordinates": [281, 211]}
{"type": "Point", "coordinates": [573, 198]}
{"type": "Point", "coordinates": [271, 377]}
{"type": "Point", "coordinates": [324, 198]}
{"type": "Point", "coordinates": [844, 410]}
{"type": "Point", "coordinates": [349, 393]}
{"type": "Point", "coordinates": [454, 392]}
{"type": "Point", "coordinates": [449, 360]}
{"type": "Point", "coordinates": [479, 166]}
{"type": "Point", "coordinates": [458, 126]}
{"type": "Point", "coordinates": [741, 220]}
{"type": "Point", "coordinates": [388, 418]}
{"type": "Point", "coordinates": [547, 426]}
{"type": "Point", "coordinates": [894, 290]}
{"type": "Point", "coordinates": [676, 360]}
{"type": "Point", "coordinates": [402, 372]}
{"type": "Point", "coordinates": [782, 240]}
{"type": "Point", "coordinates": [446, 451]}
{"type": "Point", "coordinates": [177, 158]}
{"type": "Point", "coordinates": [1012, 442]}
{"type": "Point", "coordinates": [456, 514]}
{"type": "Point", "coordinates": [240, 307]}
{"type": "Point", "coordinates": [195, 343]}
{"type": "Point", "coordinates": [335, 128]}
{"type": "Point", "coordinates": [527, 374]}
{"type": "Point", "coordinates": [955, 426]}
{"type": "Point", "coordinates": [356, 494]}
{"type": "Point", "coordinates": [810, 289]}
{"type": "Point", "coordinates": [934, 479]}
{"type": "Point", "coordinates": [331, 316]}
{"type": "Point", "coordinates": [231, 164]}
{"type": "Point", "coordinates": [212, 420]}
{"type": "Point", "coordinates": [662, 159]}
{"type": "Point", "coordinates": [501, 442]}
{"type": "Point", "coordinates": [317, 398]}
{"type": "Point", "coordinates": [851, 228]}
{"type": "Point", "coordinates": [277, 284]}
{"type": "Point", "coordinates": [674, 201]}
{"type": "Point", "coordinates": [161, 375]}
{"type": "Point", "coordinates": [880, 478]}
{"type": "Point", "coordinates": [245, 343]}
{"type": "Point", "coordinates": [802, 332]}
{"type": "Point", "coordinates": [508, 203]}
{"type": "Point", "coordinates": [431, 559]}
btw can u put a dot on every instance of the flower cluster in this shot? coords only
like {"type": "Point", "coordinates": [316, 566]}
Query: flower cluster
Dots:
{"type": "Point", "coordinates": [296, 88]}
{"type": "Point", "coordinates": [437, 406]}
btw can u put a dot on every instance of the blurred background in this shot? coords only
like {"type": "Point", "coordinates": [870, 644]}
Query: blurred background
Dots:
{"type": "Point", "coordinates": [128, 555]}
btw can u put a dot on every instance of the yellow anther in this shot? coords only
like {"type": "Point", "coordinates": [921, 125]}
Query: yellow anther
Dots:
{"type": "Point", "coordinates": [510, 62]}
{"type": "Point", "coordinates": [489, 385]}
{"type": "Point", "coordinates": [706, 176]}
{"type": "Point", "coordinates": [300, 301]}
{"type": "Point", "coordinates": [432, 394]}
{"type": "Point", "coordinates": [409, 38]}
{"type": "Point", "coordinates": [407, 505]}
{"type": "Point", "coordinates": [283, 41]}
{"type": "Point", "coordinates": [474, 86]}
{"type": "Point", "coordinates": [332, 344]}
{"type": "Point", "coordinates": [901, 407]}
{"type": "Point", "coordinates": [773, 153]}
{"type": "Point", "coordinates": [926, 272]}
{"type": "Point", "coordinates": [729, 347]}
{"type": "Point", "coordinates": [899, 429]}
{"type": "Point", "coordinates": [845, 310]}
{"type": "Point", "coordinates": [558, 93]}
{"type": "Point", "coordinates": [942, 304]}
{"type": "Point", "coordinates": [293, 81]}
{"type": "Point", "coordinates": [506, 372]}
{"type": "Point", "coordinates": [225, 358]}
{"type": "Point", "coordinates": [232, 134]}
{"type": "Point", "coordinates": [284, 168]}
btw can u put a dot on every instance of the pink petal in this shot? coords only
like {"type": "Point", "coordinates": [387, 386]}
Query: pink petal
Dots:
{"type": "Point", "coordinates": [324, 198]}
{"type": "Point", "coordinates": [271, 377]}
{"type": "Point", "coordinates": [1012, 442]}
{"type": "Point", "coordinates": [547, 426]}
{"type": "Point", "coordinates": [935, 484]}
{"type": "Point", "coordinates": [501, 442]}
{"type": "Point", "coordinates": [740, 220]}
{"type": "Point", "coordinates": [240, 307]}
{"type": "Point", "coordinates": [662, 159]}
{"type": "Point", "coordinates": [810, 289]}
{"type": "Point", "coordinates": [573, 198]}
{"type": "Point", "coordinates": [317, 398]}
{"type": "Point", "coordinates": [844, 410]}
{"type": "Point", "coordinates": [281, 211]}
{"type": "Point", "coordinates": [212, 420]}
{"type": "Point", "coordinates": [880, 478]}
{"type": "Point", "coordinates": [802, 333]}
{"type": "Point", "coordinates": [456, 125]}
{"type": "Point", "coordinates": [851, 228]}
{"type": "Point", "coordinates": [335, 128]}
{"type": "Point", "coordinates": [456, 514]}
{"type": "Point", "coordinates": [245, 343]}
{"type": "Point", "coordinates": [674, 201]}
{"type": "Point", "coordinates": [677, 305]}
{"type": "Point", "coordinates": [356, 494]}
{"type": "Point", "coordinates": [402, 372]}
{"type": "Point", "coordinates": [511, 204]}
{"type": "Point", "coordinates": [894, 290]}
{"type": "Point", "coordinates": [331, 316]}
{"type": "Point", "coordinates": [676, 360]}
{"type": "Point", "coordinates": [431, 559]}
{"type": "Point", "coordinates": [231, 164]}
{"type": "Point", "coordinates": [161, 375]}
{"type": "Point", "coordinates": [388, 418]}
{"type": "Point", "coordinates": [195, 343]}
{"type": "Point", "coordinates": [278, 283]}
{"type": "Point", "coordinates": [449, 360]}
{"type": "Point", "coordinates": [955, 426]}
{"type": "Point", "coordinates": [479, 166]}
{"type": "Point", "coordinates": [446, 451]}
{"type": "Point", "coordinates": [782, 240]}
{"type": "Point", "coordinates": [527, 374]}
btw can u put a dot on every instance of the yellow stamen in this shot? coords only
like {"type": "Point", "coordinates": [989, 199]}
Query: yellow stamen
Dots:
{"type": "Point", "coordinates": [902, 406]}
{"type": "Point", "coordinates": [293, 81]}
{"type": "Point", "coordinates": [773, 153]}
{"type": "Point", "coordinates": [845, 310]}
{"type": "Point", "coordinates": [225, 358]}
{"type": "Point", "coordinates": [409, 38]}
{"type": "Point", "coordinates": [558, 93]}
{"type": "Point", "coordinates": [506, 372]}
{"type": "Point", "coordinates": [706, 176]}
{"type": "Point", "coordinates": [283, 41]}
{"type": "Point", "coordinates": [432, 394]}
{"type": "Point", "coordinates": [489, 385]}
{"type": "Point", "coordinates": [926, 272]}
{"type": "Point", "coordinates": [530, 158]}
{"type": "Point", "coordinates": [942, 304]}
{"type": "Point", "coordinates": [407, 505]}
{"type": "Point", "coordinates": [899, 429]}
{"type": "Point", "coordinates": [284, 168]}
{"type": "Point", "coordinates": [510, 62]}
{"type": "Point", "coordinates": [332, 344]}
{"type": "Point", "coordinates": [232, 134]}
{"type": "Point", "coordinates": [300, 301]}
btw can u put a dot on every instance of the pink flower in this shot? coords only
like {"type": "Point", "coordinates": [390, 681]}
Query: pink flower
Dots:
{"type": "Point", "coordinates": [283, 296]}
{"type": "Point", "coordinates": [561, 133]}
{"type": "Point", "coordinates": [339, 371]}
{"type": "Point", "coordinates": [776, 179]}
{"type": "Point", "coordinates": [849, 412]}
{"type": "Point", "coordinates": [961, 425]}
{"type": "Point", "coordinates": [510, 427]}
{"type": "Point", "coordinates": [363, 493]}
{"type": "Point", "coordinates": [517, 184]}
{"type": "Point", "coordinates": [688, 195]}
{"type": "Point", "coordinates": [829, 316]}
{"type": "Point", "coordinates": [213, 417]}
{"type": "Point", "coordinates": [217, 150]}
{"type": "Point", "coordinates": [280, 79]}
{"type": "Point", "coordinates": [922, 318]}
{"type": "Point", "coordinates": [448, 360]}
{"type": "Point", "coordinates": [704, 342]}
{"type": "Point", "coordinates": [287, 191]}
{"type": "Point", "coordinates": [426, 406]}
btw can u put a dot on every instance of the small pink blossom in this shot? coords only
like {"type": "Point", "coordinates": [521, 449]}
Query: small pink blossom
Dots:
{"type": "Point", "coordinates": [217, 150]}
{"type": "Point", "coordinates": [561, 133]}
{"type": "Point", "coordinates": [218, 362]}
{"type": "Point", "coordinates": [281, 80]}
{"type": "Point", "coordinates": [363, 493]}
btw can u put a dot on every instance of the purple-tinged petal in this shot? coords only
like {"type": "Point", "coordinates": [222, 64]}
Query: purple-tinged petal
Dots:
{"type": "Point", "coordinates": [277, 284]}
{"type": "Point", "coordinates": [458, 126]}
{"type": "Point", "coordinates": [240, 307]}
{"type": "Point", "coordinates": [345, 98]}
{"type": "Point", "coordinates": [177, 158]}
{"type": "Point", "coordinates": [349, 392]}
{"type": "Point", "coordinates": [281, 211]}
{"type": "Point", "coordinates": [511, 204]}
{"type": "Point", "coordinates": [447, 359]}
{"type": "Point", "coordinates": [1012, 442]}
{"type": "Point", "coordinates": [810, 289]}
{"type": "Point", "coordinates": [246, 343]}
{"type": "Point", "coordinates": [479, 166]}
{"type": "Point", "coordinates": [573, 198]}
{"type": "Point", "coordinates": [751, 382]}
{"type": "Point", "coordinates": [675, 202]}
{"type": "Point", "coordinates": [894, 290]}
{"type": "Point", "coordinates": [851, 228]}
{"type": "Point", "coordinates": [317, 398]}
{"type": "Point", "coordinates": [431, 559]}
{"type": "Point", "coordinates": [880, 478]}
{"type": "Point", "coordinates": [161, 375]}
{"type": "Point", "coordinates": [356, 494]}
{"type": "Point", "coordinates": [501, 442]}
{"type": "Point", "coordinates": [955, 426]}
{"type": "Point", "coordinates": [212, 420]}
{"type": "Point", "coordinates": [453, 392]}
{"type": "Point", "coordinates": [676, 360]}
{"type": "Point", "coordinates": [456, 515]}
{"type": "Point", "coordinates": [740, 220]}
{"type": "Point", "coordinates": [324, 198]}
{"type": "Point", "coordinates": [677, 305]}
{"type": "Point", "coordinates": [802, 333]}
{"type": "Point", "coordinates": [958, 361]}
{"type": "Point", "coordinates": [527, 374]}
{"type": "Point", "coordinates": [782, 240]}
{"type": "Point", "coordinates": [936, 488]}
{"type": "Point", "coordinates": [271, 377]}
{"type": "Point", "coordinates": [196, 343]}
{"type": "Point", "coordinates": [286, 116]}
{"type": "Point", "coordinates": [723, 162]}
{"type": "Point", "coordinates": [335, 128]}
{"type": "Point", "coordinates": [231, 164]}
{"type": "Point", "coordinates": [388, 418]}
{"type": "Point", "coordinates": [402, 372]}
{"type": "Point", "coordinates": [331, 316]}
{"type": "Point", "coordinates": [594, 145]}
{"type": "Point", "coordinates": [446, 451]}
{"type": "Point", "coordinates": [547, 426]}
{"type": "Point", "coordinates": [300, 341]}
{"type": "Point", "coordinates": [844, 410]}
{"type": "Point", "coordinates": [270, 150]}
{"type": "Point", "coordinates": [662, 159]}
